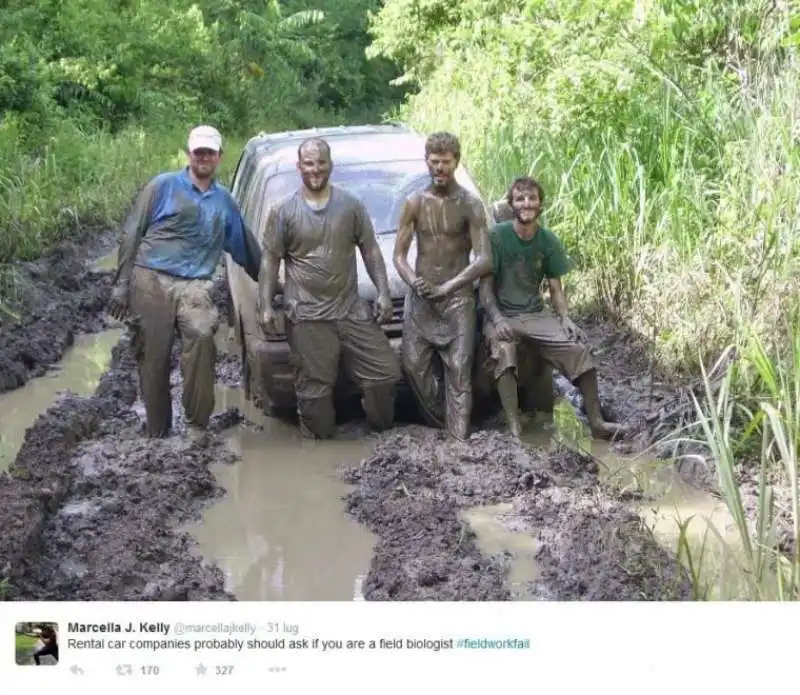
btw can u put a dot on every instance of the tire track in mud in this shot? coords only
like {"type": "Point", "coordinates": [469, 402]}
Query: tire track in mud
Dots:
{"type": "Point", "coordinates": [91, 509]}
{"type": "Point", "coordinates": [57, 298]}
{"type": "Point", "coordinates": [412, 490]}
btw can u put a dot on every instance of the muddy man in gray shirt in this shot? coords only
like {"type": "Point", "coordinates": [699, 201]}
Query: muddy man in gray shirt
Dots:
{"type": "Point", "coordinates": [449, 223]}
{"type": "Point", "coordinates": [316, 232]}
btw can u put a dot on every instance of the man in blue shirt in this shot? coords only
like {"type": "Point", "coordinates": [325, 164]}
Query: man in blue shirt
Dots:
{"type": "Point", "coordinates": [173, 241]}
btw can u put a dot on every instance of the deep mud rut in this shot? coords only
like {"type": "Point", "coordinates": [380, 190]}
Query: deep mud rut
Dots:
{"type": "Point", "coordinates": [411, 493]}
{"type": "Point", "coordinates": [92, 510]}
{"type": "Point", "coordinates": [57, 297]}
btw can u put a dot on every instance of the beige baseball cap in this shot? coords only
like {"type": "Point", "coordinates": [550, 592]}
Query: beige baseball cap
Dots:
{"type": "Point", "coordinates": [205, 137]}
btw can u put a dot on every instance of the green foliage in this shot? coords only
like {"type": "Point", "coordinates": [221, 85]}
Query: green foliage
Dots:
{"type": "Point", "coordinates": [663, 131]}
{"type": "Point", "coordinates": [97, 96]}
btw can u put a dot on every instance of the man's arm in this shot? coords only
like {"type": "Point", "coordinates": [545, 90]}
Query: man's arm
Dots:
{"type": "Point", "coordinates": [405, 235]}
{"type": "Point", "coordinates": [133, 231]}
{"type": "Point", "coordinates": [482, 263]}
{"type": "Point", "coordinates": [240, 242]}
{"type": "Point", "coordinates": [270, 259]}
{"type": "Point", "coordinates": [557, 299]}
{"type": "Point", "coordinates": [371, 251]}
{"type": "Point", "coordinates": [488, 299]}
{"type": "Point", "coordinates": [556, 266]}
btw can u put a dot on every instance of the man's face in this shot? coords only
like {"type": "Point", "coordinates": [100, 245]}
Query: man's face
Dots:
{"type": "Point", "coordinates": [204, 162]}
{"type": "Point", "coordinates": [315, 167]}
{"type": "Point", "coordinates": [526, 204]}
{"type": "Point", "coordinates": [442, 168]}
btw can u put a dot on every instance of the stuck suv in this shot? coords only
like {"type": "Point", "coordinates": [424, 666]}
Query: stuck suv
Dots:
{"type": "Point", "coordinates": [382, 166]}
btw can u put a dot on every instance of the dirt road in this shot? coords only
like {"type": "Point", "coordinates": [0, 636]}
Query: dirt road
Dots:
{"type": "Point", "coordinates": [91, 510]}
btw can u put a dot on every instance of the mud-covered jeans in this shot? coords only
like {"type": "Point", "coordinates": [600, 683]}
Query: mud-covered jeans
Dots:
{"type": "Point", "coordinates": [544, 333]}
{"type": "Point", "coordinates": [446, 328]}
{"type": "Point", "coordinates": [161, 304]}
{"type": "Point", "coordinates": [359, 346]}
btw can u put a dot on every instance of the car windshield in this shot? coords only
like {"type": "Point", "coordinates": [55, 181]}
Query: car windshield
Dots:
{"type": "Point", "coordinates": [381, 186]}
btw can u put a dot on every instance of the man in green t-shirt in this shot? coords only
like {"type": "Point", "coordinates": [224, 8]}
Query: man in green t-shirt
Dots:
{"type": "Point", "coordinates": [523, 256]}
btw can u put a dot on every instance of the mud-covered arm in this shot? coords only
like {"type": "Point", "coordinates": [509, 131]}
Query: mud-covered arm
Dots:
{"type": "Point", "coordinates": [482, 263]}
{"type": "Point", "coordinates": [240, 242]}
{"type": "Point", "coordinates": [371, 251]}
{"type": "Point", "coordinates": [557, 299]}
{"type": "Point", "coordinates": [487, 294]}
{"type": "Point", "coordinates": [556, 265]}
{"type": "Point", "coordinates": [133, 230]}
{"type": "Point", "coordinates": [488, 299]}
{"type": "Point", "coordinates": [405, 235]}
{"type": "Point", "coordinates": [274, 249]}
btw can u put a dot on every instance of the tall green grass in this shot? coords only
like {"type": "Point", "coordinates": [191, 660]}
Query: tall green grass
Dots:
{"type": "Point", "coordinates": [688, 234]}
{"type": "Point", "coordinates": [77, 182]}
{"type": "Point", "coordinates": [682, 218]}
{"type": "Point", "coordinates": [760, 560]}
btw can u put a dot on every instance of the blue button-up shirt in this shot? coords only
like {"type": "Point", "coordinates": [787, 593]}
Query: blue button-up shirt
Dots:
{"type": "Point", "coordinates": [178, 229]}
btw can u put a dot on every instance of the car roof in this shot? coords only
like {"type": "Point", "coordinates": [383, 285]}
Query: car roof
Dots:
{"type": "Point", "coordinates": [349, 145]}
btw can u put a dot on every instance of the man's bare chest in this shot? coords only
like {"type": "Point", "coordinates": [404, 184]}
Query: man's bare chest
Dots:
{"type": "Point", "coordinates": [442, 219]}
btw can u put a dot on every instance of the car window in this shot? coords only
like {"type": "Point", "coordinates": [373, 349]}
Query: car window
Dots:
{"type": "Point", "coordinates": [381, 186]}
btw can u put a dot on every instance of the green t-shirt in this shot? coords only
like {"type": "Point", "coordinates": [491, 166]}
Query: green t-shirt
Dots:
{"type": "Point", "coordinates": [520, 266]}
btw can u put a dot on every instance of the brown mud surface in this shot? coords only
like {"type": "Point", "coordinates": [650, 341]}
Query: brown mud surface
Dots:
{"type": "Point", "coordinates": [56, 298]}
{"type": "Point", "coordinates": [412, 490]}
{"type": "Point", "coordinates": [92, 510]}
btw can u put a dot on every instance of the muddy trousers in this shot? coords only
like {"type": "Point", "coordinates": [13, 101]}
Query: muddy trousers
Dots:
{"type": "Point", "coordinates": [543, 334]}
{"type": "Point", "coordinates": [444, 330]}
{"type": "Point", "coordinates": [357, 345]}
{"type": "Point", "coordinates": [161, 304]}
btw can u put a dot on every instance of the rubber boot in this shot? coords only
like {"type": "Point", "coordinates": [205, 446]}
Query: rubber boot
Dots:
{"type": "Point", "coordinates": [509, 398]}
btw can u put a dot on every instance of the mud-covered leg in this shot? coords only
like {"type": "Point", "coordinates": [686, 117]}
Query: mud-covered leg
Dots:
{"type": "Point", "coordinates": [315, 358]}
{"type": "Point", "coordinates": [504, 360]}
{"type": "Point", "coordinates": [458, 360]}
{"type": "Point", "coordinates": [417, 357]}
{"type": "Point", "coordinates": [370, 362]}
{"type": "Point", "coordinates": [573, 359]}
{"type": "Point", "coordinates": [587, 383]}
{"type": "Point", "coordinates": [198, 320]}
{"type": "Point", "coordinates": [508, 390]}
{"type": "Point", "coordinates": [153, 333]}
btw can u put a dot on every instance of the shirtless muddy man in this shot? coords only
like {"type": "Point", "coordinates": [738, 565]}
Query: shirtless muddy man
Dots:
{"type": "Point", "coordinates": [448, 223]}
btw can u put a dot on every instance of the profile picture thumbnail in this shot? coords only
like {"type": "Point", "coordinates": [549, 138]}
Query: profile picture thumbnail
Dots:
{"type": "Point", "coordinates": [36, 644]}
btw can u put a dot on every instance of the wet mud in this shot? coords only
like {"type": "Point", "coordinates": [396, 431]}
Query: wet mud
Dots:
{"type": "Point", "coordinates": [55, 298]}
{"type": "Point", "coordinates": [92, 510]}
{"type": "Point", "coordinates": [412, 492]}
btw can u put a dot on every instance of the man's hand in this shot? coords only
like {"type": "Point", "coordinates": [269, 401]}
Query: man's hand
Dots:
{"type": "Point", "coordinates": [572, 330]}
{"type": "Point", "coordinates": [422, 287]}
{"type": "Point", "coordinates": [383, 308]}
{"type": "Point", "coordinates": [118, 304]}
{"type": "Point", "coordinates": [503, 329]}
{"type": "Point", "coordinates": [268, 320]}
{"type": "Point", "coordinates": [440, 291]}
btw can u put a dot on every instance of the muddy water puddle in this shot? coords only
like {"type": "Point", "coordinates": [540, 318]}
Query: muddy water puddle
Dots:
{"type": "Point", "coordinates": [496, 537]}
{"type": "Point", "coordinates": [667, 505]}
{"type": "Point", "coordinates": [280, 532]}
{"type": "Point", "coordinates": [79, 371]}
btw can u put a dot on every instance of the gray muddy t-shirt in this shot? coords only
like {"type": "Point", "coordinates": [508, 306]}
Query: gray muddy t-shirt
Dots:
{"type": "Point", "coordinates": [319, 251]}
